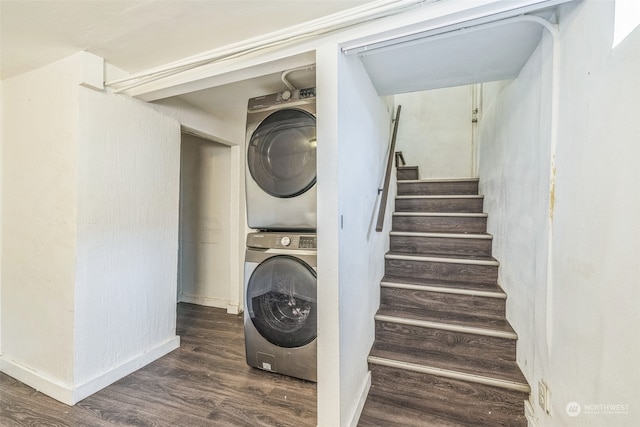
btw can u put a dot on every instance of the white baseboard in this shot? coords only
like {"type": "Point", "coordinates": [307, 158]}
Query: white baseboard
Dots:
{"type": "Point", "coordinates": [87, 389]}
{"type": "Point", "coordinates": [364, 392]}
{"type": "Point", "coordinates": [529, 414]}
{"type": "Point", "coordinates": [42, 383]}
{"type": "Point", "coordinates": [206, 301]}
{"type": "Point", "coordinates": [233, 309]}
{"type": "Point", "coordinates": [71, 395]}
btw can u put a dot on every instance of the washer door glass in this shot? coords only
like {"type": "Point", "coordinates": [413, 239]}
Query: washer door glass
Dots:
{"type": "Point", "coordinates": [282, 153]}
{"type": "Point", "coordinates": [281, 301]}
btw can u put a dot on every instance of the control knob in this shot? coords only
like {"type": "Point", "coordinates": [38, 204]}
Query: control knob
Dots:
{"type": "Point", "coordinates": [285, 241]}
{"type": "Point", "coordinates": [286, 95]}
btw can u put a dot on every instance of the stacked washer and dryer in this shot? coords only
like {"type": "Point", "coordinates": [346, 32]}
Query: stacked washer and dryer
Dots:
{"type": "Point", "coordinates": [280, 317]}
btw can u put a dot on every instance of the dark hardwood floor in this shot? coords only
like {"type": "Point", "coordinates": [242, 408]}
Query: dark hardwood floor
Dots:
{"type": "Point", "coordinates": [206, 382]}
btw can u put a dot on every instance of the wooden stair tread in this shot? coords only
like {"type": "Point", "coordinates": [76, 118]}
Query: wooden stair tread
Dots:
{"type": "Point", "coordinates": [443, 214]}
{"type": "Point", "coordinates": [421, 341]}
{"type": "Point", "coordinates": [465, 403]}
{"type": "Point", "coordinates": [440, 222]}
{"type": "Point", "coordinates": [406, 173]}
{"type": "Point", "coordinates": [452, 259]}
{"type": "Point", "coordinates": [441, 244]}
{"type": "Point", "coordinates": [519, 386]}
{"type": "Point", "coordinates": [438, 203]}
{"type": "Point", "coordinates": [439, 196]}
{"type": "Point", "coordinates": [436, 287]}
{"type": "Point", "coordinates": [380, 411]}
{"type": "Point", "coordinates": [437, 186]}
{"type": "Point", "coordinates": [447, 180]}
{"type": "Point", "coordinates": [421, 298]}
{"type": "Point", "coordinates": [470, 323]}
{"type": "Point", "coordinates": [442, 235]}
{"type": "Point", "coordinates": [443, 284]}
{"type": "Point", "coordinates": [504, 370]}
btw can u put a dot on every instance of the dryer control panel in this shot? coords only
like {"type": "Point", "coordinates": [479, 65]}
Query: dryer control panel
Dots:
{"type": "Point", "coordinates": [281, 240]}
{"type": "Point", "coordinates": [280, 98]}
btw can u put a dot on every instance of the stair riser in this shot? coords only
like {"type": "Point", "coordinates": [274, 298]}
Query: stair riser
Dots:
{"type": "Point", "coordinates": [450, 272]}
{"type": "Point", "coordinates": [407, 173]}
{"type": "Point", "coordinates": [439, 224]}
{"type": "Point", "coordinates": [460, 352]}
{"type": "Point", "coordinates": [421, 341]}
{"type": "Point", "coordinates": [456, 400]}
{"type": "Point", "coordinates": [439, 205]}
{"type": "Point", "coordinates": [440, 246]}
{"type": "Point", "coordinates": [442, 302]}
{"type": "Point", "coordinates": [438, 188]}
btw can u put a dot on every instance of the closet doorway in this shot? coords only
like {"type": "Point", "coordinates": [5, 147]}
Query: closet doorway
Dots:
{"type": "Point", "coordinates": [204, 264]}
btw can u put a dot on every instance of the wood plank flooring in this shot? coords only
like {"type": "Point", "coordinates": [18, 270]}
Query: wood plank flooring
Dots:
{"type": "Point", "coordinates": [206, 382]}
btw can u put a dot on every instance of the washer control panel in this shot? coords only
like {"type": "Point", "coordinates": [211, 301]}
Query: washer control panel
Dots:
{"type": "Point", "coordinates": [281, 240]}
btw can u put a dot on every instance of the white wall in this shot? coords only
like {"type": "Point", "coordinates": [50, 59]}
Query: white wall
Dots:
{"type": "Point", "coordinates": [364, 124]}
{"type": "Point", "coordinates": [328, 389]}
{"type": "Point", "coordinates": [205, 216]}
{"type": "Point", "coordinates": [597, 220]}
{"type": "Point", "coordinates": [228, 130]}
{"type": "Point", "coordinates": [353, 130]}
{"type": "Point", "coordinates": [40, 167]}
{"type": "Point", "coordinates": [514, 138]}
{"type": "Point", "coordinates": [128, 189]}
{"type": "Point", "coordinates": [1, 187]}
{"type": "Point", "coordinates": [89, 234]}
{"type": "Point", "coordinates": [578, 326]}
{"type": "Point", "coordinates": [435, 132]}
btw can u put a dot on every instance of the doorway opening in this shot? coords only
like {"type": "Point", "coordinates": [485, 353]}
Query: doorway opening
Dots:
{"type": "Point", "coordinates": [204, 263]}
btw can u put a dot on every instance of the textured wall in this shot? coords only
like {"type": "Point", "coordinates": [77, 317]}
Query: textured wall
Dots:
{"type": "Point", "coordinates": [128, 190]}
{"type": "Point", "coordinates": [435, 132]}
{"type": "Point", "coordinates": [596, 246]}
{"type": "Point", "coordinates": [89, 233]}
{"type": "Point", "coordinates": [40, 132]}
{"type": "Point", "coordinates": [572, 303]}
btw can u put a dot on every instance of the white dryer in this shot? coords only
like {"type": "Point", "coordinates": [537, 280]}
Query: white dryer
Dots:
{"type": "Point", "coordinates": [280, 316]}
{"type": "Point", "coordinates": [281, 161]}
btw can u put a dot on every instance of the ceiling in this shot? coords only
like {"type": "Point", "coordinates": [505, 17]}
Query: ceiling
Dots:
{"type": "Point", "coordinates": [475, 55]}
{"type": "Point", "coordinates": [137, 35]}
{"type": "Point", "coordinates": [480, 54]}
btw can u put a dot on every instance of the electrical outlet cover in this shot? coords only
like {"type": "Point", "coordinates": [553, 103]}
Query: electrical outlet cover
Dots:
{"type": "Point", "coordinates": [543, 396]}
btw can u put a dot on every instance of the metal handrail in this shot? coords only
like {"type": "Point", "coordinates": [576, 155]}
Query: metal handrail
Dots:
{"type": "Point", "coordinates": [387, 175]}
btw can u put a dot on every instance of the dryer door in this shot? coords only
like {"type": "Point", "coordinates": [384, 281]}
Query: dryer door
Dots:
{"type": "Point", "coordinates": [282, 153]}
{"type": "Point", "coordinates": [281, 301]}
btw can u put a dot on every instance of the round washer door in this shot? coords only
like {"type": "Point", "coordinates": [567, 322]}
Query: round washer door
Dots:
{"type": "Point", "coordinates": [282, 153]}
{"type": "Point", "coordinates": [281, 301]}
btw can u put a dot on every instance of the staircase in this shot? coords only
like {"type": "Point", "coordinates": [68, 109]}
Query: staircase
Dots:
{"type": "Point", "coordinates": [444, 353]}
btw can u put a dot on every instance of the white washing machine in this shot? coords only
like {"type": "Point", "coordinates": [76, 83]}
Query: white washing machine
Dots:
{"type": "Point", "coordinates": [281, 161]}
{"type": "Point", "coordinates": [280, 316]}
